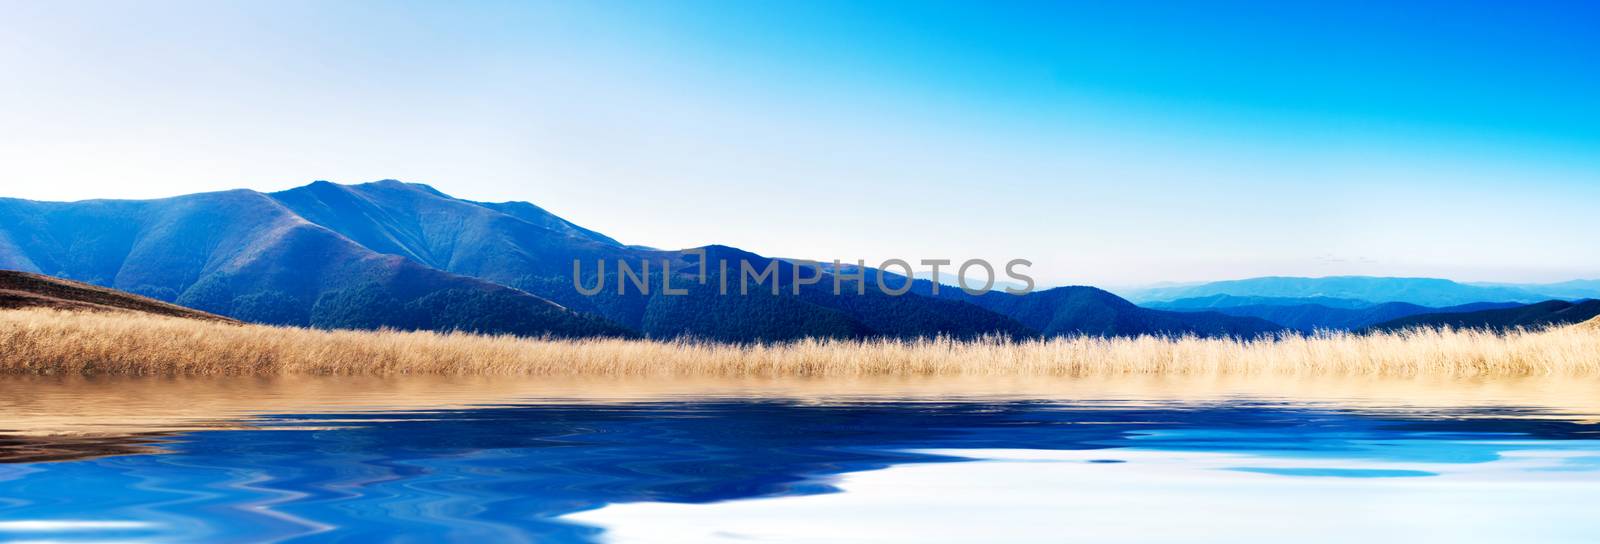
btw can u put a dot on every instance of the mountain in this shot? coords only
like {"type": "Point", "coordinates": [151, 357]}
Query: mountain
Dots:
{"type": "Point", "coordinates": [1087, 310]}
{"type": "Point", "coordinates": [469, 238]}
{"type": "Point", "coordinates": [25, 290]}
{"type": "Point", "coordinates": [1080, 310]}
{"type": "Point", "coordinates": [500, 243]}
{"type": "Point", "coordinates": [404, 255]}
{"type": "Point", "coordinates": [1419, 291]}
{"type": "Point", "coordinates": [522, 246]}
{"type": "Point", "coordinates": [1227, 301]}
{"type": "Point", "coordinates": [1551, 312]}
{"type": "Point", "coordinates": [1567, 290]}
{"type": "Point", "coordinates": [245, 255]}
{"type": "Point", "coordinates": [1313, 317]}
{"type": "Point", "coordinates": [391, 254]}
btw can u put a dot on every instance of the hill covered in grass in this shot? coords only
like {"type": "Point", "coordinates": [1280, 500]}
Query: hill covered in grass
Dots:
{"type": "Point", "coordinates": [20, 290]}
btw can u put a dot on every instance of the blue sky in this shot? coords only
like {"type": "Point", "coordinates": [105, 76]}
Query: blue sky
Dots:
{"type": "Point", "coordinates": [1111, 143]}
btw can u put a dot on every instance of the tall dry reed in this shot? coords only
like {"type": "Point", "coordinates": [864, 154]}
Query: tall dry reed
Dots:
{"type": "Point", "coordinates": [54, 342]}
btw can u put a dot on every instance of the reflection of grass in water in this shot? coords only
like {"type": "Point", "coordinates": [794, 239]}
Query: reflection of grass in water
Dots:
{"type": "Point", "coordinates": [54, 342]}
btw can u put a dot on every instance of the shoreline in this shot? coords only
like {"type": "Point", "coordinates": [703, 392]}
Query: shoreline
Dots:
{"type": "Point", "coordinates": [48, 417]}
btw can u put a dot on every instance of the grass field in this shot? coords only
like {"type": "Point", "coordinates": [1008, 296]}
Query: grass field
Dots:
{"type": "Point", "coordinates": [53, 342]}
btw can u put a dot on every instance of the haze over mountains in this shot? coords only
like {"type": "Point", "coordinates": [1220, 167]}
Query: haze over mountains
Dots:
{"type": "Point", "coordinates": [1313, 317]}
{"type": "Point", "coordinates": [1354, 303]}
{"type": "Point", "coordinates": [407, 256]}
{"type": "Point", "coordinates": [1420, 291]}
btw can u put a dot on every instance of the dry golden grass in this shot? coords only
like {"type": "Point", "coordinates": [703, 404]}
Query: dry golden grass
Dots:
{"type": "Point", "coordinates": [39, 341]}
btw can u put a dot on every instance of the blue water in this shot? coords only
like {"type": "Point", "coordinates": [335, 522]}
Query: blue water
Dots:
{"type": "Point", "coordinates": [510, 473]}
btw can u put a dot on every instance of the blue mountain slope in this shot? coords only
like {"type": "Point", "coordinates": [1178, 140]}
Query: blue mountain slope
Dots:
{"type": "Point", "coordinates": [469, 238]}
{"type": "Point", "coordinates": [520, 245]}
{"type": "Point", "coordinates": [407, 255]}
{"type": "Point", "coordinates": [1087, 310]}
{"type": "Point", "coordinates": [245, 255]}
{"type": "Point", "coordinates": [1079, 310]}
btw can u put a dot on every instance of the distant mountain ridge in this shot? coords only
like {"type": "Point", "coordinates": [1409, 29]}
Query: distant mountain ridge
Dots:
{"type": "Point", "coordinates": [401, 255]}
{"type": "Point", "coordinates": [1230, 301]}
{"type": "Point", "coordinates": [1532, 316]}
{"type": "Point", "coordinates": [1095, 312]}
{"type": "Point", "coordinates": [1420, 291]}
{"type": "Point", "coordinates": [1307, 318]}
{"type": "Point", "coordinates": [1082, 310]}
{"type": "Point", "coordinates": [1568, 290]}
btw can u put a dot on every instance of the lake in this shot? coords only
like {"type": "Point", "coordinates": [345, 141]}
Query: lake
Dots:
{"type": "Point", "coordinates": [931, 460]}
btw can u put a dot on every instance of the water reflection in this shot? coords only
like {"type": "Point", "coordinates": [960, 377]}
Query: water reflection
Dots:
{"type": "Point", "coordinates": [528, 472]}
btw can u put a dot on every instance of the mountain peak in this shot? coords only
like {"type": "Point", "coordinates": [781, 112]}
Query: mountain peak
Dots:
{"type": "Point", "coordinates": [397, 184]}
{"type": "Point", "coordinates": [390, 184]}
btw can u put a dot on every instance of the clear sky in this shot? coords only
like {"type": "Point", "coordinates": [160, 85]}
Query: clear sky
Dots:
{"type": "Point", "coordinates": [1111, 143]}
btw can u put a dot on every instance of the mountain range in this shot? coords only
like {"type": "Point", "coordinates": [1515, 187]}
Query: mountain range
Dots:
{"type": "Point", "coordinates": [1431, 292]}
{"type": "Point", "coordinates": [407, 256]}
{"type": "Point", "coordinates": [1308, 318]}
{"type": "Point", "coordinates": [1531, 316]}
{"type": "Point", "coordinates": [1212, 302]}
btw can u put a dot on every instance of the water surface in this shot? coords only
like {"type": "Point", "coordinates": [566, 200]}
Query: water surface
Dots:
{"type": "Point", "coordinates": [424, 461]}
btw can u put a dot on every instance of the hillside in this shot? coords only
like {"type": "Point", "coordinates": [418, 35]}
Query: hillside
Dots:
{"type": "Point", "coordinates": [408, 256]}
{"type": "Point", "coordinates": [520, 245]}
{"type": "Point", "coordinates": [1431, 292]}
{"type": "Point", "coordinates": [1094, 312]}
{"type": "Point", "coordinates": [1079, 310]}
{"type": "Point", "coordinates": [24, 290]}
{"type": "Point", "coordinates": [470, 238]}
{"type": "Point", "coordinates": [243, 255]}
{"type": "Point", "coordinates": [813, 311]}
{"type": "Point", "coordinates": [1543, 314]}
